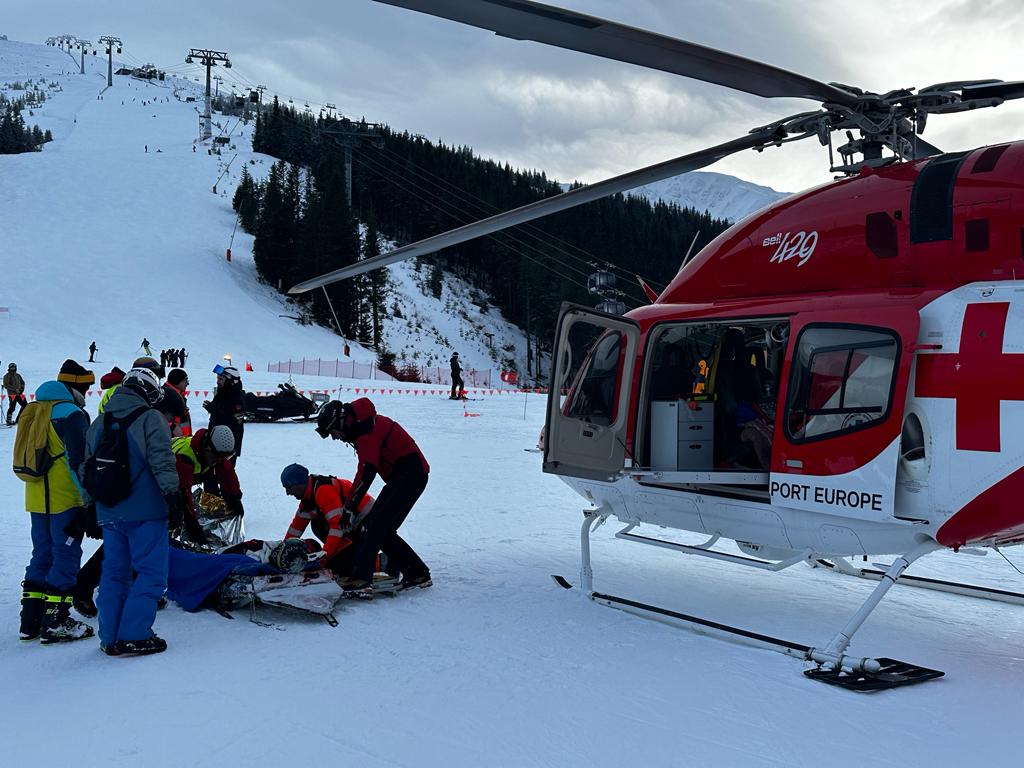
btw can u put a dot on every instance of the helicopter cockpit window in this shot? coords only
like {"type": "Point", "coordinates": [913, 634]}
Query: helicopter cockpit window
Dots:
{"type": "Point", "coordinates": [594, 397]}
{"type": "Point", "coordinates": [842, 380]}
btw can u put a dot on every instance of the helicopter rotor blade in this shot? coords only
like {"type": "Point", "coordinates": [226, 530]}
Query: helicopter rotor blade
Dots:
{"type": "Point", "coordinates": [527, 20]}
{"type": "Point", "coordinates": [550, 205]}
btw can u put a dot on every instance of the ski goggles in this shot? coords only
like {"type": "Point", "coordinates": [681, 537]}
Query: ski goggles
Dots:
{"type": "Point", "coordinates": [226, 370]}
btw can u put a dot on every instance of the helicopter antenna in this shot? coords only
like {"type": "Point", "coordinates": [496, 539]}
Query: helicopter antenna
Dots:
{"type": "Point", "coordinates": [689, 253]}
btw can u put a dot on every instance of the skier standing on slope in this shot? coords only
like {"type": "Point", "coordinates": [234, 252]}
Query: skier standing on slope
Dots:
{"type": "Point", "coordinates": [383, 446]}
{"type": "Point", "coordinates": [457, 384]}
{"type": "Point", "coordinates": [92, 352]}
{"type": "Point", "coordinates": [145, 346]}
{"type": "Point", "coordinates": [15, 386]}
{"type": "Point", "coordinates": [135, 518]}
{"type": "Point", "coordinates": [55, 499]}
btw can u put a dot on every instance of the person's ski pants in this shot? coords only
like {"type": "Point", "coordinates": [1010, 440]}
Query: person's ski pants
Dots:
{"type": "Point", "coordinates": [55, 555]}
{"type": "Point", "coordinates": [128, 608]}
{"type": "Point", "coordinates": [16, 400]}
{"type": "Point", "coordinates": [380, 532]}
{"type": "Point", "coordinates": [457, 386]}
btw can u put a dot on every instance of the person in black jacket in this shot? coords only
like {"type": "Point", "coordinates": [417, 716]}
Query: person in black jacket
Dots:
{"type": "Point", "coordinates": [173, 405]}
{"type": "Point", "coordinates": [227, 406]}
{"type": "Point", "coordinates": [457, 383]}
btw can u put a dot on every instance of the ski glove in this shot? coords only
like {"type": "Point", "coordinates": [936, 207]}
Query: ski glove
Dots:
{"type": "Point", "coordinates": [234, 505]}
{"type": "Point", "coordinates": [176, 509]}
{"type": "Point", "coordinates": [84, 524]}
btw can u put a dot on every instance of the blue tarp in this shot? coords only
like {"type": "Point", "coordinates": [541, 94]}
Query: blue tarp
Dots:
{"type": "Point", "coordinates": [192, 576]}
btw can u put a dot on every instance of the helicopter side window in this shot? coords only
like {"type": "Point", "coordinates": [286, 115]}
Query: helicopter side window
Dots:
{"type": "Point", "coordinates": [594, 397]}
{"type": "Point", "coordinates": [842, 380]}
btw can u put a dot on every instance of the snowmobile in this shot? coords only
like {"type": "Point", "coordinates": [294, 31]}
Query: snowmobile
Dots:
{"type": "Point", "coordinates": [288, 403]}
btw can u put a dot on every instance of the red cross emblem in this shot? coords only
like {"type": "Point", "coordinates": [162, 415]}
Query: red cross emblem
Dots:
{"type": "Point", "coordinates": [978, 377]}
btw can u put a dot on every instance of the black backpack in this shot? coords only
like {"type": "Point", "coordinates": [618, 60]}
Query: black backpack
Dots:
{"type": "Point", "coordinates": [107, 475]}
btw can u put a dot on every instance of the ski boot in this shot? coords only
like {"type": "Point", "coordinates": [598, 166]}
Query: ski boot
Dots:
{"type": "Point", "coordinates": [58, 626]}
{"type": "Point", "coordinates": [145, 647]}
{"type": "Point", "coordinates": [360, 589]}
{"type": "Point", "coordinates": [84, 604]}
{"type": "Point", "coordinates": [32, 609]}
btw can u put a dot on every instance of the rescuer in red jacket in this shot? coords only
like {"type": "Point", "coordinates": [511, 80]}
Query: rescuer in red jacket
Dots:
{"type": "Point", "coordinates": [384, 447]}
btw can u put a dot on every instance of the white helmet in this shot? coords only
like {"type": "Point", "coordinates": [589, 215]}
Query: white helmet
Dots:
{"type": "Point", "coordinates": [221, 440]}
{"type": "Point", "coordinates": [144, 382]}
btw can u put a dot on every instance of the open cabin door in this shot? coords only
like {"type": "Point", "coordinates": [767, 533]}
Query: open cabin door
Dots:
{"type": "Point", "coordinates": [592, 377]}
{"type": "Point", "coordinates": [837, 428]}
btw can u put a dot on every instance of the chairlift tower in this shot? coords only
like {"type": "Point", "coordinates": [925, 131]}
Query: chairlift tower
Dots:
{"type": "Point", "coordinates": [350, 135]}
{"type": "Point", "coordinates": [84, 44]}
{"type": "Point", "coordinates": [207, 58]}
{"type": "Point", "coordinates": [111, 42]}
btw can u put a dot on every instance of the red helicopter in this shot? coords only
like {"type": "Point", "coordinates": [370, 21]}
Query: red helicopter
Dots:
{"type": "Point", "coordinates": [839, 375]}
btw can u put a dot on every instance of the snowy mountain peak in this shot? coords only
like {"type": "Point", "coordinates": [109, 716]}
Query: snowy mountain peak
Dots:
{"type": "Point", "coordinates": [723, 196]}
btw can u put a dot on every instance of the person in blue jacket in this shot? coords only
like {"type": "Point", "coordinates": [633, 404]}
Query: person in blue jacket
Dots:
{"type": "Point", "coordinates": [135, 529]}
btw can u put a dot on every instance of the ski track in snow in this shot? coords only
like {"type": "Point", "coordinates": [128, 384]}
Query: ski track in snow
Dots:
{"type": "Point", "coordinates": [492, 666]}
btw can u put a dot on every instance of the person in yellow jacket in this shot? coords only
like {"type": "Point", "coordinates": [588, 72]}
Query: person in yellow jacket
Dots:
{"type": "Point", "coordinates": [54, 503]}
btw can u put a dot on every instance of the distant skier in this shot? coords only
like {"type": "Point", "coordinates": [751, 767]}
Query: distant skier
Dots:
{"type": "Point", "coordinates": [164, 358]}
{"type": "Point", "coordinates": [145, 346]}
{"type": "Point", "coordinates": [15, 386]}
{"type": "Point", "coordinates": [457, 384]}
{"type": "Point", "coordinates": [92, 352]}
{"type": "Point", "coordinates": [182, 357]}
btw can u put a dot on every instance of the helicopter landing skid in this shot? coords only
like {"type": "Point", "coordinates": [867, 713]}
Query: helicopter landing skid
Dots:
{"type": "Point", "coordinates": [834, 666]}
{"type": "Point", "coordinates": [939, 585]}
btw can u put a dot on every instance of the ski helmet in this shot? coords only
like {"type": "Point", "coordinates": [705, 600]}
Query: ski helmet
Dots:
{"type": "Point", "coordinates": [221, 440]}
{"type": "Point", "coordinates": [144, 382]}
{"type": "Point", "coordinates": [150, 364]}
{"type": "Point", "coordinates": [289, 556]}
{"type": "Point", "coordinates": [229, 372]}
{"type": "Point", "coordinates": [330, 417]}
{"type": "Point", "coordinates": [294, 474]}
{"type": "Point", "coordinates": [12, 367]}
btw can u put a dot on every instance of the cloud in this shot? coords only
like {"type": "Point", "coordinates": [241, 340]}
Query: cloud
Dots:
{"type": "Point", "coordinates": [573, 115]}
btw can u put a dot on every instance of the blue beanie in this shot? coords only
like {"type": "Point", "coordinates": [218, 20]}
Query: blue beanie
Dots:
{"type": "Point", "coordinates": [294, 474]}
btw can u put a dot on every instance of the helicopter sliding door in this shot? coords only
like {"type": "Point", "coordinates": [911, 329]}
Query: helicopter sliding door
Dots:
{"type": "Point", "coordinates": [594, 359]}
{"type": "Point", "coordinates": [837, 429]}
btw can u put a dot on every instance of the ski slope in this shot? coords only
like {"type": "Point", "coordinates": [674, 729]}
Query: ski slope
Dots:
{"type": "Point", "coordinates": [493, 666]}
{"type": "Point", "coordinates": [114, 230]}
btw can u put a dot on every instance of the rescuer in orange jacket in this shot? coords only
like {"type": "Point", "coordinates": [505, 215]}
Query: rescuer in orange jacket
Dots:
{"type": "Point", "coordinates": [322, 503]}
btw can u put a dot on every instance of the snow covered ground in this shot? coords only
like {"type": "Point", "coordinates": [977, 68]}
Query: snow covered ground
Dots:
{"type": "Point", "coordinates": [494, 665]}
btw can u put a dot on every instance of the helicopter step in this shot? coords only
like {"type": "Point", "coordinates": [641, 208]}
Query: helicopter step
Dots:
{"type": "Point", "coordinates": [840, 565]}
{"type": "Point", "coordinates": [834, 666]}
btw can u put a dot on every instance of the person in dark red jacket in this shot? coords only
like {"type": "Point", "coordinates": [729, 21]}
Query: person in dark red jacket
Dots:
{"type": "Point", "coordinates": [382, 447]}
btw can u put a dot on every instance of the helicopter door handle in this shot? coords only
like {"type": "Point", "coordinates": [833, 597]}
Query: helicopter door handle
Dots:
{"type": "Point", "coordinates": [794, 463]}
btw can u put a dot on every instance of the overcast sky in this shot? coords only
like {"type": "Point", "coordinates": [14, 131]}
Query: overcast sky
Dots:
{"type": "Point", "coordinates": [569, 114]}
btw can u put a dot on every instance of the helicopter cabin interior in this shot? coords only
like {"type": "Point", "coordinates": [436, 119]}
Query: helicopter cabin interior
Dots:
{"type": "Point", "coordinates": [708, 398]}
